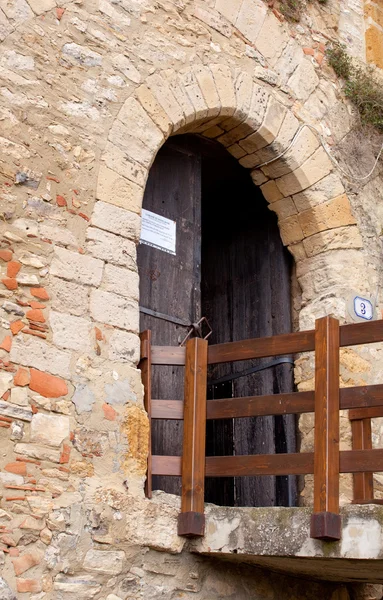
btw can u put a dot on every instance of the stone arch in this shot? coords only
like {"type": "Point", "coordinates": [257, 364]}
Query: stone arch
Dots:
{"type": "Point", "coordinates": [255, 126]}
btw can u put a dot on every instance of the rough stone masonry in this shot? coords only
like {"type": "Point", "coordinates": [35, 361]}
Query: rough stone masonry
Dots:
{"type": "Point", "coordinates": [89, 91]}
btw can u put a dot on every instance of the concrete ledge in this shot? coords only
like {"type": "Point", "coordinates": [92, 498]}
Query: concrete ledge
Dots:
{"type": "Point", "coordinates": [279, 539]}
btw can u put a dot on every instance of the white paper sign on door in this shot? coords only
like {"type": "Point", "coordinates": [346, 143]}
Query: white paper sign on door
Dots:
{"type": "Point", "coordinates": [158, 232]}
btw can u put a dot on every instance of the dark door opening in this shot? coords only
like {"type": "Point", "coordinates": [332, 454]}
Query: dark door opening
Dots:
{"type": "Point", "coordinates": [230, 266]}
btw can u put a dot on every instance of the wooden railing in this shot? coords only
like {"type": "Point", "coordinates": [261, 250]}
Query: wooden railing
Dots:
{"type": "Point", "coordinates": [326, 462]}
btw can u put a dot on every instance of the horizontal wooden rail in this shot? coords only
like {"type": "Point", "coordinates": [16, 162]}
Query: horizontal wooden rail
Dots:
{"type": "Point", "coordinates": [351, 461]}
{"type": "Point", "coordinates": [289, 343]}
{"type": "Point", "coordinates": [371, 412]}
{"type": "Point", "coordinates": [361, 399]}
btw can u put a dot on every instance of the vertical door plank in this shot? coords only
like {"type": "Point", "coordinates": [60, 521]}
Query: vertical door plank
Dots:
{"type": "Point", "coordinates": [191, 521]}
{"type": "Point", "coordinates": [326, 522]}
{"type": "Point", "coordinates": [362, 440]}
{"type": "Point", "coordinates": [146, 376]}
{"type": "Point", "coordinates": [171, 284]}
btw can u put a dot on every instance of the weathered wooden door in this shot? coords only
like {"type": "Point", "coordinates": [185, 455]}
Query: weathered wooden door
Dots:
{"type": "Point", "coordinates": [171, 284]}
{"type": "Point", "coordinates": [243, 287]}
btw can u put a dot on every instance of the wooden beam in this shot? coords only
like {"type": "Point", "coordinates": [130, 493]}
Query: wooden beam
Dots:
{"type": "Point", "coordinates": [369, 397]}
{"type": "Point", "coordinates": [372, 412]}
{"type": "Point", "coordinates": [326, 522]}
{"type": "Point", "coordinates": [146, 376]}
{"type": "Point", "coordinates": [351, 461]}
{"type": "Point", "coordinates": [288, 343]}
{"type": "Point", "coordinates": [191, 521]}
{"type": "Point", "coordinates": [362, 440]}
{"type": "Point", "coordinates": [168, 355]}
{"type": "Point", "coordinates": [361, 333]}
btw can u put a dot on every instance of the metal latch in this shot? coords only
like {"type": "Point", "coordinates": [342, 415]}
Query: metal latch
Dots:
{"type": "Point", "coordinates": [200, 329]}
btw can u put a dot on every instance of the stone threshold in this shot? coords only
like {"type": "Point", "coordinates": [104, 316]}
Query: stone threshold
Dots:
{"type": "Point", "coordinates": [279, 539]}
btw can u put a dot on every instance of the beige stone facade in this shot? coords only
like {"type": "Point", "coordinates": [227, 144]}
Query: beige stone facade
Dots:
{"type": "Point", "coordinates": [89, 92]}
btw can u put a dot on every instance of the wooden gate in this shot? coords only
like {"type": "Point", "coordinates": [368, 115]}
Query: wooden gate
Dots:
{"type": "Point", "coordinates": [326, 462]}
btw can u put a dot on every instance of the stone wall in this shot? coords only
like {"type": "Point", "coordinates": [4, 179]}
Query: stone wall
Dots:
{"type": "Point", "coordinates": [89, 91]}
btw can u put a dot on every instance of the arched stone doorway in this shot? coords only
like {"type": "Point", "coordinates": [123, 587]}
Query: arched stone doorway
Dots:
{"type": "Point", "coordinates": [230, 267]}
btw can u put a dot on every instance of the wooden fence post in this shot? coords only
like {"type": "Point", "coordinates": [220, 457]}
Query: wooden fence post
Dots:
{"type": "Point", "coordinates": [326, 521]}
{"type": "Point", "coordinates": [191, 521]}
{"type": "Point", "coordinates": [146, 376]}
{"type": "Point", "coordinates": [362, 440]}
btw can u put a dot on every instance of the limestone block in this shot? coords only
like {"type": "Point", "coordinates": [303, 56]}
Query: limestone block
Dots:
{"type": "Point", "coordinates": [325, 189]}
{"type": "Point", "coordinates": [331, 271]}
{"type": "Point", "coordinates": [132, 147]}
{"type": "Point", "coordinates": [120, 392]}
{"type": "Point", "coordinates": [5, 29]}
{"type": "Point", "coordinates": [284, 208]}
{"type": "Point", "coordinates": [161, 91]}
{"type": "Point", "coordinates": [83, 398]}
{"type": "Point", "coordinates": [190, 85]}
{"type": "Point", "coordinates": [136, 429]}
{"type": "Point", "coordinates": [270, 192]}
{"type": "Point", "coordinates": [77, 587]}
{"type": "Point", "coordinates": [286, 133]}
{"type": "Point", "coordinates": [243, 88]}
{"type": "Point", "coordinates": [120, 162]}
{"type": "Point", "coordinates": [51, 430]}
{"type": "Point", "coordinates": [19, 396]}
{"type": "Point", "coordinates": [333, 239]}
{"type": "Point", "coordinates": [259, 101]}
{"type": "Point", "coordinates": [118, 190]}
{"type": "Point", "coordinates": [109, 308]}
{"type": "Point", "coordinates": [140, 124]}
{"type": "Point", "coordinates": [11, 479]}
{"type": "Point", "coordinates": [111, 248]}
{"type": "Point", "coordinates": [121, 281]}
{"type": "Point", "coordinates": [297, 251]}
{"type": "Point", "coordinates": [213, 20]}
{"type": "Point", "coordinates": [61, 236]}
{"type": "Point", "coordinates": [229, 8]}
{"type": "Point", "coordinates": [81, 55]}
{"type": "Point", "coordinates": [180, 95]}
{"type": "Point", "coordinates": [313, 169]}
{"type": "Point", "coordinates": [39, 452]}
{"type": "Point", "coordinates": [259, 178]}
{"type": "Point", "coordinates": [225, 87]}
{"type": "Point", "coordinates": [117, 16]}
{"type": "Point", "coordinates": [258, 106]}
{"type": "Point", "coordinates": [41, 6]}
{"type": "Point", "coordinates": [124, 347]}
{"type": "Point", "coordinates": [76, 267]}
{"type": "Point", "coordinates": [15, 60]}
{"type": "Point", "coordinates": [154, 109]}
{"type": "Point", "coordinates": [304, 80]}
{"type": "Point", "coordinates": [104, 561]}
{"type": "Point", "coordinates": [116, 220]}
{"type": "Point", "coordinates": [68, 297]}
{"type": "Point", "coordinates": [33, 352]}
{"type": "Point", "coordinates": [290, 230]}
{"type": "Point", "coordinates": [272, 29]}
{"type": "Point", "coordinates": [236, 151]}
{"type": "Point", "coordinates": [335, 213]}
{"type": "Point", "coordinates": [16, 11]}
{"type": "Point", "coordinates": [305, 145]}
{"type": "Point", "coordinates": [5, 382]}
{"type": "Point", "coordinates": [73, 333]}
{"type": "Point", "coordinates": [269, 129]}
{"type": "Point", "coordinates": [251, 17]}
{"type": "Point", "coordinates": [206, 82]}
{"type": "Point", "coordinates": [12, 410]}
{"type": "Point", "coordinates": [289, 61]}
{"type": "Point", "coordinates": [5, 591]}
